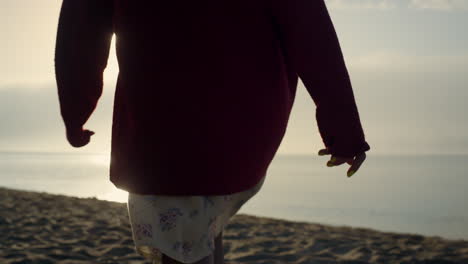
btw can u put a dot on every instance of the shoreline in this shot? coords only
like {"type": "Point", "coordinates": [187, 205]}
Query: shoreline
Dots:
{"type": "Point", "coordinates": [38, 227]}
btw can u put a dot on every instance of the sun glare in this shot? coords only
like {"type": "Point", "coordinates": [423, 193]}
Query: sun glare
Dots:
{"type": "Point", "coordinates": [116, 195]}
{"type": "Point", "coordinates": [100, 159]}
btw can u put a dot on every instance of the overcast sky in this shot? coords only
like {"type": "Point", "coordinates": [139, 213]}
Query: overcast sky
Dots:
{"type": "Point", "coordinates": [407, 60]}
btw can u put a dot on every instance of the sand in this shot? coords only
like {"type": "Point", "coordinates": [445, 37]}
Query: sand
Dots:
{"type": "Point", "coordinates": [44, 228]}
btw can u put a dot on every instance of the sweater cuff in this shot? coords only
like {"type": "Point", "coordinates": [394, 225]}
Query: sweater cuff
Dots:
{"type": "Point", "coordinates": [349, 151]}
{"type": "Point", "coordinates": [73, 128]}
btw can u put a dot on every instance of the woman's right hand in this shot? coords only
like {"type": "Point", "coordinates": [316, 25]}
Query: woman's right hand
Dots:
{"type": "Point", "coordinates": [79, 137]}
{"type": "Point", "coordinates": [355, 162]}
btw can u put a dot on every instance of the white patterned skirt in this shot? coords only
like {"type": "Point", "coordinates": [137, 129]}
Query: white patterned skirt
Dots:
{"type": "Point", "coordinates": [182, 227]}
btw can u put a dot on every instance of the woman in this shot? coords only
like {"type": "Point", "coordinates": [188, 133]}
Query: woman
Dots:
{"type": "Point", "coordinates": [202, 102]}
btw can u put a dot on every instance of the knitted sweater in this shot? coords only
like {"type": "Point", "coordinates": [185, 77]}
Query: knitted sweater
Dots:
{"type": "Point", "coordinates": [205, 88]}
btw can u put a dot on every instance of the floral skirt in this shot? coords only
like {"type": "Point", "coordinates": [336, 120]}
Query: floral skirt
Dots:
{"type": "Point", "coordinates": [182, 227]}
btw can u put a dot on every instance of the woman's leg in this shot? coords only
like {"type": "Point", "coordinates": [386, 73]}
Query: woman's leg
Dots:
{"type": "Point", "coordinates": [219, 250]}
{"type": "Point", "coordinates": [216, 258]}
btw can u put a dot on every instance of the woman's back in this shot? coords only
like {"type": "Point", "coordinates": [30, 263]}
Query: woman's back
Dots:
{"type": "Point", "coordinates": [205, 88]}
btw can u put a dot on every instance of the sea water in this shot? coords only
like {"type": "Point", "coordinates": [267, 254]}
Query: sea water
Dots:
{"type": "Point", "coordinates": [425, 194]}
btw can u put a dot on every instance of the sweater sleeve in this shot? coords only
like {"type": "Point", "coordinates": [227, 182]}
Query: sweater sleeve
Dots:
{"type": "Point", "coordinates": [84, 35]}
{"type": "Point", "coordinates": [311, 47]}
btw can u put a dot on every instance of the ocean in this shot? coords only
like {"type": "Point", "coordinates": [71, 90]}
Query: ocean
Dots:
{"type": "Point", "coordinates": [419, 194]}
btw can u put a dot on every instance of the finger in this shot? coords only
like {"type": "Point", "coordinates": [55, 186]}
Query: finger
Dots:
{"type": "Point", "coordinates": [331, 163]}
{"type": "Point", "coordinates": [87, 137]}
{"type": "Point", "coordinates": [81, 140]}
{"type": "Point", "coordinates": [337, 160]}
{"type": "Point", "coordinates": [323, 152]}
{"type": "Point", "coordinates": [89, 132]}
{"type": "Point", "coordinates": [78, 144]}
{"type": "Point", "coordinates": [86, 141]}
{"type": "Point", "coordinates": [83, 143]}
{"type": "Point", "coordinates": [356, 164]}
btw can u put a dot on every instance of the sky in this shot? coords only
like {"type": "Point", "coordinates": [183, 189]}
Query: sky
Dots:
{"type": "Point", "coordinates": [407, 61]}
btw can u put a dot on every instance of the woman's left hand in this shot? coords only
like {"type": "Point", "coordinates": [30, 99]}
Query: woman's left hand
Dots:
{"type": "Point", "coordinates": [355, 162]}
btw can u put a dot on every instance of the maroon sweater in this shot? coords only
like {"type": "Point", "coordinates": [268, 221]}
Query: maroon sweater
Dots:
{"type": "Point", "coordinates": [205, 88]}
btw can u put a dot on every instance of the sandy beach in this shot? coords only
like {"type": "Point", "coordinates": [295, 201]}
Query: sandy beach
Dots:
{"type": "Point", "coordinates": [43, 228]}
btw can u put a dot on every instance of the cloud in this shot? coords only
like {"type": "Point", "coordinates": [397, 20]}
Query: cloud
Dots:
{"type": "Point", "coordinates": [362, 4]}
{"type": "Point", "coordinates": [447, 5]}
{"type": "Point", "coordinates": [440, 5]}
{"type": "Point", "coordinates": [390, 61]}
{"type": "Point", "coordinates": [31, 120]}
